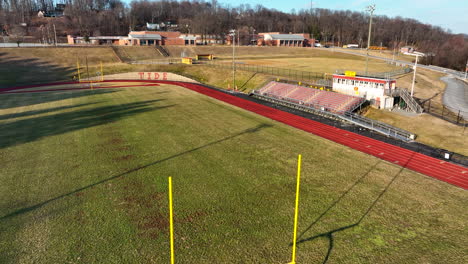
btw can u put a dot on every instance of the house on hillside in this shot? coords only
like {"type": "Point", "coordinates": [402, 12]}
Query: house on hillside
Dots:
{"type": "Point", "coordinates": [163, 26]}
{"type": "Point", "coordinates": [57, 12]}
{"type": "Point", "coordinates": [407, 49]}
{"type": "Point", "coordinates": [151, 26]}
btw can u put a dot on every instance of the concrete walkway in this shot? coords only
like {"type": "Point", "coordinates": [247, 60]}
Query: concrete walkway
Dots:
{"type": "Point", "coordinates": [456, 95]}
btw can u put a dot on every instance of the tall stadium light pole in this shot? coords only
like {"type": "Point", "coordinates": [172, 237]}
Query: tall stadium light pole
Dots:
{"type": "Point", "coordinates": [370, 9]}
{"type": "Point", "coordinates": [414, 75]}
{"type": "Point", "coordinates": [233, 35]}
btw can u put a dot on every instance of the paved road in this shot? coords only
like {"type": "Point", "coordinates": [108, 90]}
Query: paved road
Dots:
{"type": "Point", "coordinates": [456, 95]}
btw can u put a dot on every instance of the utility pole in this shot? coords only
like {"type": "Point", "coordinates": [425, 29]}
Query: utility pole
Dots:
{"type": "Point", "coordinates": [414, 75]}
{"type": "Point", "coordinates": [233, 35]}
{"type": "Point", "coordinates": [370, 9]}
{"type": "Point", "coordinates": [55, 33]}
{"type": "Point", "coordinates": [48, 34]}
{"type": "Point", "coordinates": [333, 41]}
{"type": "Point", "coordinates": [466, 68]}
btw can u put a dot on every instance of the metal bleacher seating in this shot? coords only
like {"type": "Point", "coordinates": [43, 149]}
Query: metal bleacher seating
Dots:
{"type": "Point", "coordinates": [318, 99]}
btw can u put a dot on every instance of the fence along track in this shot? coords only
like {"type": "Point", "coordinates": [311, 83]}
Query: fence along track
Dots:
{"type": "Point", "coordinates": [383, 75]}
{"type": "Point", "coordinates": [293, 74]}
{"type": "Point", "coordinates": [454, 116]}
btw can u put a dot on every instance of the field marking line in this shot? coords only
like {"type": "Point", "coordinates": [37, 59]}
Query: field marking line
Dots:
{"type": "Point", "coordinates": [296, 210]}
{"type": "Point", "coordinates": [171, 220]}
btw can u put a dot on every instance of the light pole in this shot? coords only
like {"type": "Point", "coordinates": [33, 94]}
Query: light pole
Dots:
{"type": "Point", "coordinates": [233, 37]}
{"type": "Point", "coordinates": [370, 9]}
{"type": "Point", "coordinates": [55, 33]}
{"type": "Point", "coordinates": [466, 68]}
{"type": "Point", "coordinates": [414, 75]}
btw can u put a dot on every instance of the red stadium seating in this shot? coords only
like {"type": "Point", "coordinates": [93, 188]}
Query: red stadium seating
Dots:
{"type": "Point", "coordinates": [324, 100]}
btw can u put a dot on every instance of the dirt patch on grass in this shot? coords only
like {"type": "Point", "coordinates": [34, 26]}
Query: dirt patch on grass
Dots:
{"type": "Point", "coordinates": [152, 222]}
{"type": "Point", "coordinates": [192, 217]}
{"type": "Point", "coordinates": [124, 148]}
{"type": "Point", "coordinates": [80, 217]}
{"type": "Point", "coordinates": [148, 211]}
{"type": "Point", "coordinates": [145, 210]}
{"type": "Point", "coordinates": [115, 141]}
{"type": "Point", "coordinates": [124, 158]}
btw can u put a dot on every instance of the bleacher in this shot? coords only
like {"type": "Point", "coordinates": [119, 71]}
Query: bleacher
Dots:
{"type": "Point", "coordinates": [318, 99]}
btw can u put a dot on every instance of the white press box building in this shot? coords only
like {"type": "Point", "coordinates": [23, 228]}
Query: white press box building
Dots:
{"type": "Point", "coordinates": [378, 91]}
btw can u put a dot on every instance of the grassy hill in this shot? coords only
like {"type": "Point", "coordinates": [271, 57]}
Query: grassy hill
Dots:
{"type": "Point", "coordinates": [84, 180]}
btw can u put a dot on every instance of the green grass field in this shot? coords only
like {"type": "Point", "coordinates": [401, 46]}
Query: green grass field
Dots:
{"type": "Point", "coordinates": [84, 180]}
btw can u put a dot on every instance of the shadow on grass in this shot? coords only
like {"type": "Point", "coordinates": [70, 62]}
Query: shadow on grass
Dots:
{"type": "Point", "coordinates": [42, 111]}
{"type": "Point", "coordinates": [24, 99]}
{"type": "Point", "coordinates": [329, 234]}
{"type": "Point", "coordinates": [28, 130]}
{"type": "Point", "coordinates": [18, 71]}
{"type": "Point", "coordinates": [39, 205]}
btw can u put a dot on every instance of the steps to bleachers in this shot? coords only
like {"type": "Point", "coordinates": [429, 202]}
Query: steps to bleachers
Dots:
{"type": "Point", "coordinates": [324, 100]}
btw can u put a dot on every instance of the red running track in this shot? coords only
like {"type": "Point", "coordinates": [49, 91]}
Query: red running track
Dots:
{"type": "Point", "coordinates": [444, 171]}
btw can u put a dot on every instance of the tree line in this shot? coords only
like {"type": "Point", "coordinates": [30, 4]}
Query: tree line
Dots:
{"type": "Point", "coordinates": [113, 17]}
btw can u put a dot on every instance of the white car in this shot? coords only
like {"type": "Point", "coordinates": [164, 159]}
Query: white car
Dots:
{"type": "Point", "coordinates": [318, 45]}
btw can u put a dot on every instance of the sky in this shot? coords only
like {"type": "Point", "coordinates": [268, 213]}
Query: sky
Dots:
{"type": "Point", "coordinates": [448, 14]}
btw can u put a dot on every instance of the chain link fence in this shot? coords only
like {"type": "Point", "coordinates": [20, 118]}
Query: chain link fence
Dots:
{"type": "Point", "coordinates": [288, 73]}
{"type": "Point", "coordinates": [454, 116]}
{"type": "Point", "coordinates": [383, 75]}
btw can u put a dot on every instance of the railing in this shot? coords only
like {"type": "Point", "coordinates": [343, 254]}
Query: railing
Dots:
{"type": "Point", "coordinates": [162, 51]}
{"type": "Point", "coordinates": [121, 54]}
{"type": "Point", "coordinates": [361, 121]}
{"type": "Point", "coordinates": [383, 75]}
{"type": "Point", "coordinates": [294, 104]}
{"type": "Point", "coordinates": [410, 102]}
{"type": "Point", "coordinates": [156, 61]}
{"type": "Point", "coordinates": [326, 84]}
{"type": "Point", "coordinates": [380, 127]}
